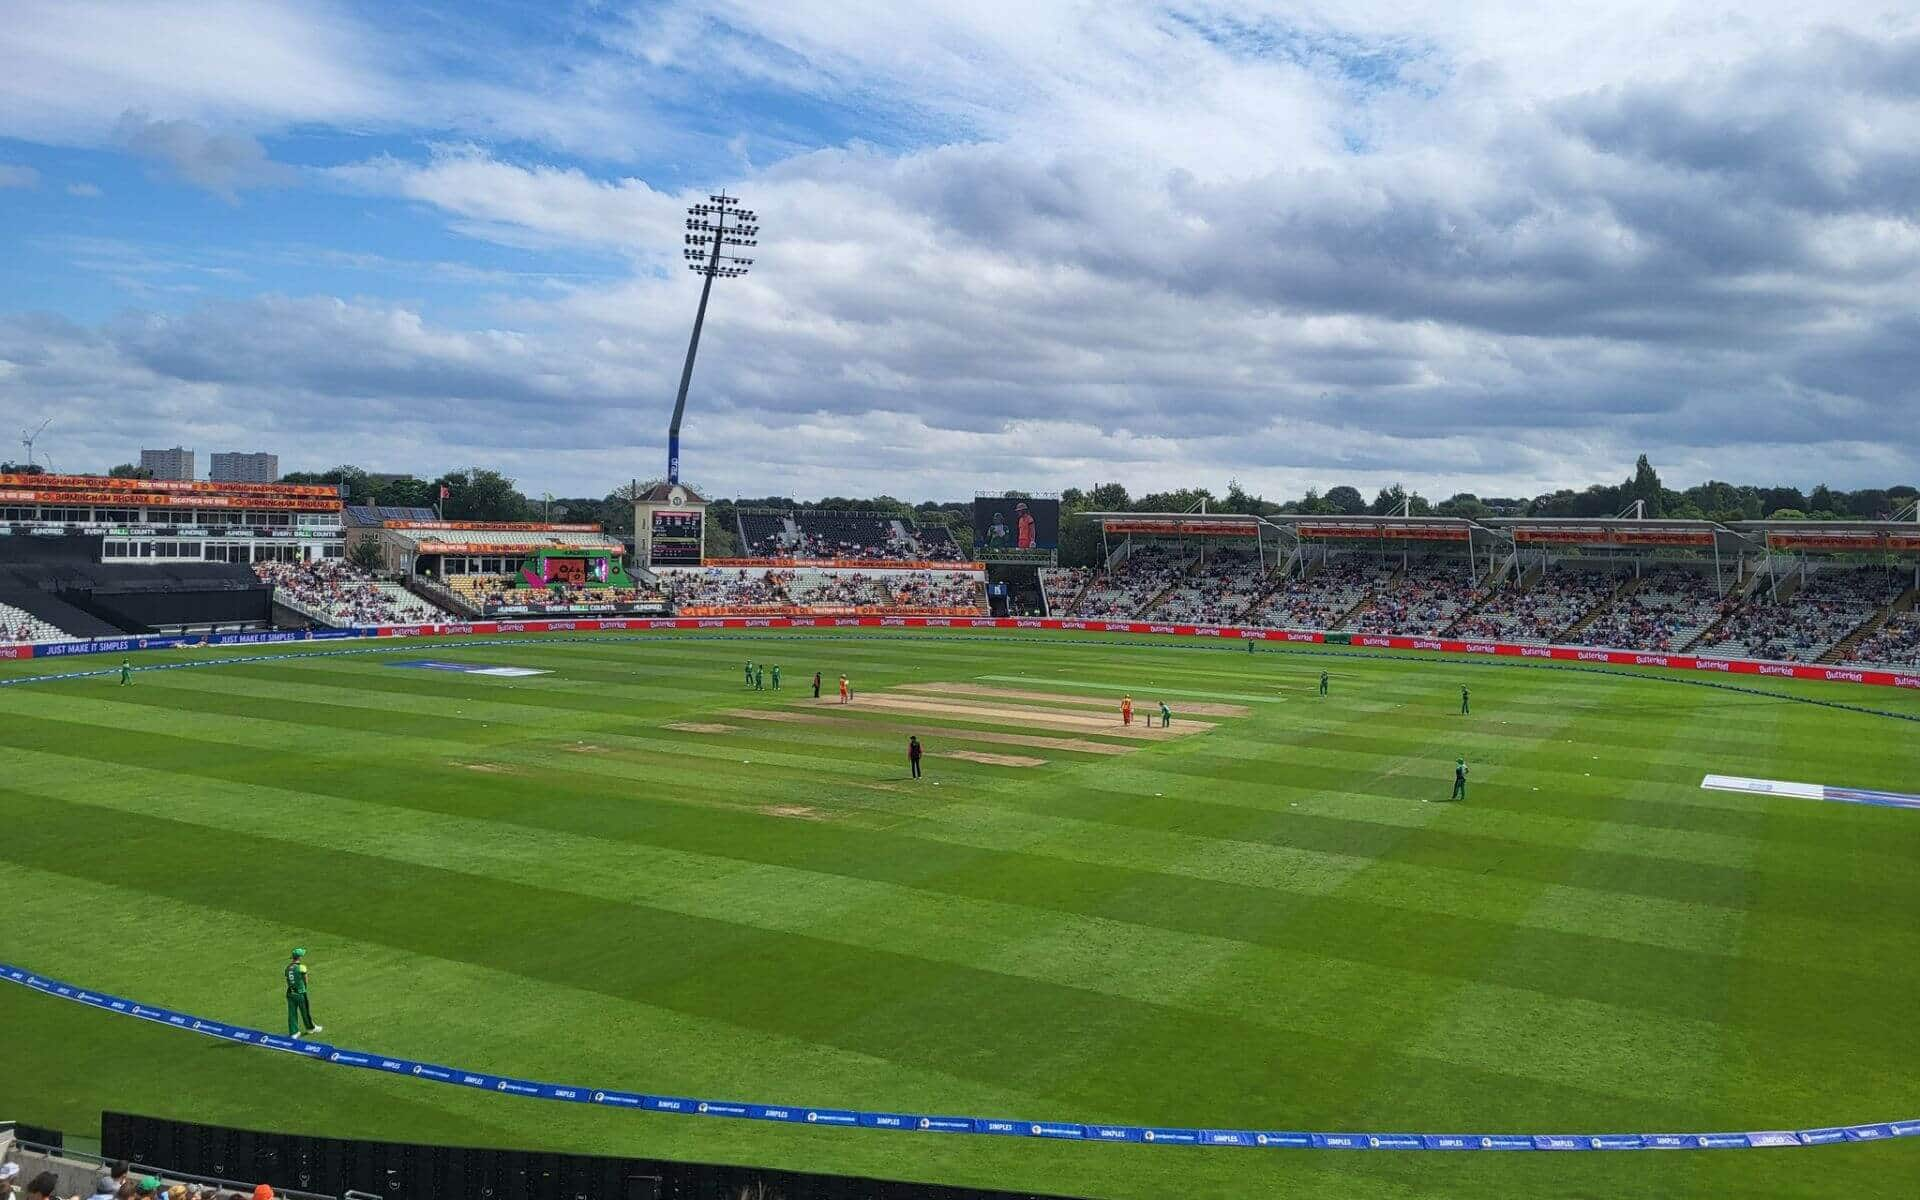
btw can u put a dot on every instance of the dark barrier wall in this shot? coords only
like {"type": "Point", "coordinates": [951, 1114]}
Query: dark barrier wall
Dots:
{"type": "Point", "coordinates": [22, 547]}
{"type": "Point", "coordinates": [150, 609]}
{"type": "Point", "coordinates": [414, 1172]}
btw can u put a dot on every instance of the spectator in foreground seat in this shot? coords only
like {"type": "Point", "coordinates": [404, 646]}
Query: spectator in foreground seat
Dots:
{"type": "Point", "coordinates": [44, 1185]}
{"type": "Point", "coordinates": [104, 1188]}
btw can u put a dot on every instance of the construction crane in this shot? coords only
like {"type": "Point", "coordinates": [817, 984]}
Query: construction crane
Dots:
{"type": "Point", "coordinates": [27, 438]}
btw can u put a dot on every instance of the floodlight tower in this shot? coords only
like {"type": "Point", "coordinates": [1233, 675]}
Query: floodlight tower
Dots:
{"type": "Point", "coordinates": [711, 228]}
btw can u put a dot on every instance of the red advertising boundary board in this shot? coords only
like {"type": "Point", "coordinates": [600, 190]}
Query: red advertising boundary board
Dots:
{"type": "Point", "coordinates": [1573, 654]}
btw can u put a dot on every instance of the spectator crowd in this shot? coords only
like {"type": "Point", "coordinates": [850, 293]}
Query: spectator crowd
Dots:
{"type": "Point", "coordinates": [339, 593]}
{"type": "Point", "coordinates": [1669, 609]}
{"type": "Point", "coordinates": [1423, 600]}
{"type": "Point", "coordinates": [1895, 644]}
{"type": "Point", "coordinates": [1542, 611]}
{"type": "Point", "coordinates": [1821, 611]}
{"type": "Point", "coordinates": [117, 1182]}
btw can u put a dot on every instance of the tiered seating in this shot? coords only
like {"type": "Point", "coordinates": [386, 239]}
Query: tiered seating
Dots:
{"type": "Point", "coordinates": [491, 592]}
{"type": "Point", "coordinates": [1215, 593]}
{"type": "Point", "coordinates": [1827, 607]}
{"type": "Point", "coordinates": [1542, 612]}
{"type": "Point", "coordinates": [825, 535]}
{"type": "Point", "coordinates": [944, 591]}
{"type": "Point", "coordinates": [19, 625]}
{"type": "Point", "coordinates": [1061, 585]}
{"type": "Point", "coordinates": [727, 588]}
{"type": "Point", "coordinates": [1669, 609]}
{"type": "Point", "coordinates": [1122, 594]}
{"type": "Point", "coordinates": [763, 535]}
{"type": "Point", "coordinates": [937, 544]}
{"type": "Point", "coordinates": [477, 590]}
{"type": "Point", "coordinates": [1320, 600]}
{"type": "Point", "coordinates": [838, 589]}
{"type": "Point", "coordinates": [1423, 600]}
{"type": "Point", "coordinates": [338, 593]}
{"type": "Point", "coordinates": [1895, 644]}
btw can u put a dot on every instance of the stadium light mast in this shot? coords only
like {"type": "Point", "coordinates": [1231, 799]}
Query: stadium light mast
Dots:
{"type": "Point", "coordinates": [712, 228]}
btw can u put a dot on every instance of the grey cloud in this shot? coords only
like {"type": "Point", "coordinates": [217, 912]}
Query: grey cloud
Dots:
{"type": "Point", "coordinates": [222, 163]}
{"type": "Point", "coordinates": [13, 175]}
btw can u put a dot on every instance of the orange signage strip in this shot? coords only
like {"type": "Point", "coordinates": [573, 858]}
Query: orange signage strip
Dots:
{"type": "Point", "coordinates": [1196, 526]}
{"type": "Point", "coordinates": [1860, 542]}
{"type": "Point", "coordinates": [181, 487]}
{"type": "Point", "coordinates": [1417, 533]}
{"type": "Point", "coordinates": [1612, 537]}
{"type": "Point", "coordinates": [142, 500]}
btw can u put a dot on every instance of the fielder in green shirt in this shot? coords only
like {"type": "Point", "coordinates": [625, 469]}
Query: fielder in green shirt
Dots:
{"type": "Point", "coordinates": [1323, 683]}
{"type": "Point", "coordinates": [1464, 710]}
{"type": "Point", "coordinates": [759, 678]}
{"type": "Point", "coordinates": [126, 672]}
{"type": "Point", "coordinates": [1459, 779]}
{"type": "Point", "coordinates": [776, 677]}
{"type": "Point", "coordinates": [749, 672]}
{"type": "Point", "coordinates": [299, 1014]}
{"type": "Point", "coordinates": [1166, 715]}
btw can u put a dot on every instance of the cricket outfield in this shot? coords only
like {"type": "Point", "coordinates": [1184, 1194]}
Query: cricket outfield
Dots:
{"type": "Point", "coordinates": [608, 860]}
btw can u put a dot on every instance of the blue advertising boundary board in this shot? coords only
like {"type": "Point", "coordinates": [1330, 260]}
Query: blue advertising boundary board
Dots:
{"type": "Point", "coordinates": [917, 1123]}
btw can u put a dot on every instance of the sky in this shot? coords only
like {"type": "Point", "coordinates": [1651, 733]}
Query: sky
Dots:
{"type": "Point", "coordinates": [1502, 247]}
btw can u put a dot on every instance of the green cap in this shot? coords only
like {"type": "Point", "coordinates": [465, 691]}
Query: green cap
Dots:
{"type": "Point", "coordinates": [299, 951]}
{"type": "Point", "coordinates": [149, 1183]}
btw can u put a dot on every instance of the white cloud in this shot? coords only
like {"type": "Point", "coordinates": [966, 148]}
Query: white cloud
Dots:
{"type": "Point", "coordinates": [84, 191]}
{"type": "Point", "coordinates": [70, 68]}
{"type": "Point", "coordinates": [1500, 248]}
{"type": "Point", "coordinates": [13, 175]}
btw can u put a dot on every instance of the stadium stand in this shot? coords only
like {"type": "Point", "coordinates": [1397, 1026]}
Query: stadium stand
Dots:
{"type": "Point", "coordinates": [1215, 592]}
{"type": "Point", "coordinates": [1323, 598]}
{"type": "Point", "coordinates": [1424, 599]}
{"type": "Point", "coordinates": [334, 592]}
{"type": "Point", "coordinates": [1665, 611]}
{"type": "Point", "coordinates": [867, 537]}
{"type": "Point", "coordinates": [1131, 589]}
{"type": "Point", "coordinates": [937, 591]}
{"type": "Point", "coordinates": [834, 589]}
{"type": "Point", "coordinates": [1543, 609]}
{"type": "Point", "coordinates": [937, 544]}
{"type": "Point", "coordinates": [736, 589]}
{"type": "Point", "coordinates": [1816, 611]}
{"type": "Point", "coordinates": [19, 625]}
{"type": "Point", "coordinates": [489, 594]}
{"type": "Point", "coordinates": [1061, 586]}
{"type": "Point", "coordinates": [1894, 644]}
{"type": "Point", "coordinates": [767, 589]}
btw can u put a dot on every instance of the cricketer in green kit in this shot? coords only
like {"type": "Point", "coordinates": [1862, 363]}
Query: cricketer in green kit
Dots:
{"type": "Point", "coordinates": [1166, 715]}
{"type": "Point", "coordinates": [299, 1014]}
{"type": "Point", "coordinates": [1464, 710]}
{"type": "Point", "coordinates": [776, 677]}
{"type": "Point", "coordinates": [126, 672]}
{"type": "Point", "coordinates": [759, 678]}
{"type": "Point", "coordinates": [1459, 779]}
{"type": "Point", "coordinates": [1323, 683]}
{"type": "Point", "coordinates": [749, 672]}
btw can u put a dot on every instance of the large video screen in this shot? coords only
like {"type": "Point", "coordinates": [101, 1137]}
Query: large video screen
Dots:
{"type": "Point", "coordinates": [676, 539]}
{"type": "Point", "coordinates": [1011, 523]}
